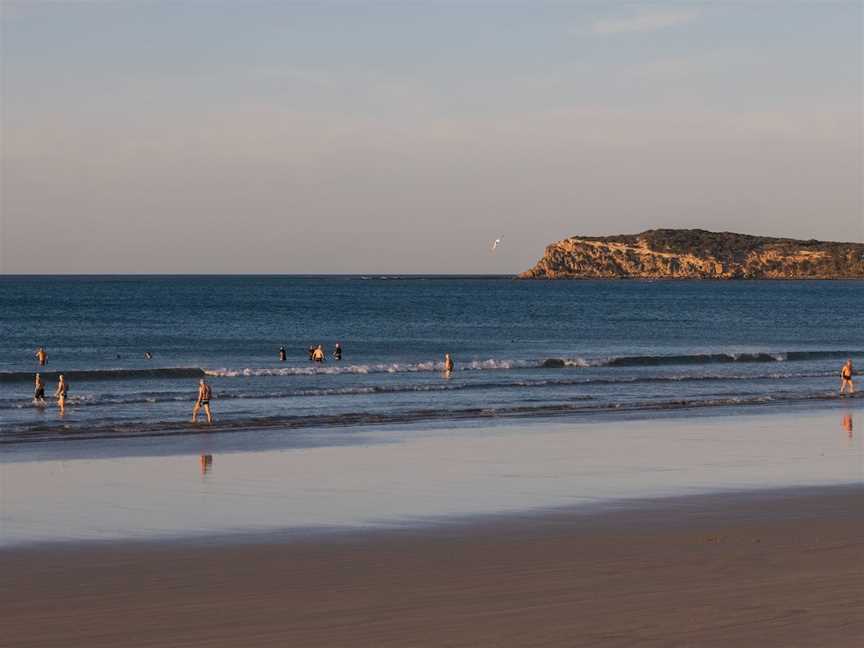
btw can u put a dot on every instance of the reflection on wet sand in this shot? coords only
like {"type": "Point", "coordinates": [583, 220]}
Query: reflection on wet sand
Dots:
{"type": "Point", "coordinates": [415, 475]}
{"type": "Point", "coordinates": [848, 424]}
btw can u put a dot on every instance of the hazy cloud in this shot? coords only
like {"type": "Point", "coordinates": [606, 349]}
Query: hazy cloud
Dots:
{"type": "Point", "coordinates": [645, 21]}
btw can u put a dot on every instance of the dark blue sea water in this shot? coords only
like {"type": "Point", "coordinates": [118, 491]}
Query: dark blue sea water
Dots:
{"type": "Point", "coordinates": [521, 348]}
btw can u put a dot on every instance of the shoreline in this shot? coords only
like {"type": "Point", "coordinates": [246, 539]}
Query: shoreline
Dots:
{"type": "Point", "coordinates": [753, 568]}
{"type": "Point", "coordinates": [62, 432]}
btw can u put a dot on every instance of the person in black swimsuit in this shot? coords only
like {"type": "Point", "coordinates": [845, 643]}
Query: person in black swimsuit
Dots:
{"type": "Point", "coordinates": [282, 354]}
{"type": "Point", "coordinates": [39, 391]}
{"type": "Point", "coordinates": [204, 395]}
{"type": "Point", "coordinates": [846, 374]}
{"type": "Point", "coordinates": [337, 352]}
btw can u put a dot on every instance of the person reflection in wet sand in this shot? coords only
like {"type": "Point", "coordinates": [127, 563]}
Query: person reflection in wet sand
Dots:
{"type": "Point", "coordinates": [206, 461]}
{"type": "Point", "coordinates": [848, 424]}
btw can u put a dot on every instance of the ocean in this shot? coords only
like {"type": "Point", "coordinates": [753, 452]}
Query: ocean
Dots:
{"type": "Point", "coordinates": [521, 348]}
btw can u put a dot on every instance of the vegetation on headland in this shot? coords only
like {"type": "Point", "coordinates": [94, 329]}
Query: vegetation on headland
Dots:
{"type": "Point", "coordinates": [697, 254]}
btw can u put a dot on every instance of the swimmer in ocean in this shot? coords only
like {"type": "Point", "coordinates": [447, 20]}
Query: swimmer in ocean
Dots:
{"type": "Point", "coordinates": [282, 354]}
{"type": "Point", "coordinates": [318, 354]}
{"type": "Point", "coordinates": [448, 364]}
{"type": "Point", "coordinates": [846, 374]}
{"type": "Point", "coordinates": [337, 352]}
{"type": "Point", "coordinates": [60, 393]}
{"type": "Point", "coordinates": [39, 391]}
{"type": "Point", "coordinates": [148, 355]}
{"type": "Point", "coordinates": [204, 395]}
{"type": "Point", "coordinates": [42, 356]}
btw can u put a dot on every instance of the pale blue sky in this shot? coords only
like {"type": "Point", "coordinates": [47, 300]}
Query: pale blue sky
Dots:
{"type": "Point", "coordinates": [381, 137]}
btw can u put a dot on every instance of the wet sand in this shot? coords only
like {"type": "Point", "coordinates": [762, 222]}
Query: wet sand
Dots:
{"type": "Point", "coordinates": [769, 568]}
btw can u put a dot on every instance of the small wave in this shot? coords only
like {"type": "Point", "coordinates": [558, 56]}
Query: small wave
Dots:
{"type": "Point", "coordinates": [490, 364]}
{"type": "Point", "coordinates": [109, 399]}
{"type": "Point", "coordinates": [105, 374]}
{"type": "Point", "coordinates": [493, 364]}
{"type": "Point", "coordinates": [697, 359]}
{"type": "Point", "coordinates": [382, 368]}
{"type": "Point", "coordinates": [67, 432]}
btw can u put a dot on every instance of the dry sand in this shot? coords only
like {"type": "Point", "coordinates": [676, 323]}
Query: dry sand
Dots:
{"type": "Point", "coordinates": [780, 568]}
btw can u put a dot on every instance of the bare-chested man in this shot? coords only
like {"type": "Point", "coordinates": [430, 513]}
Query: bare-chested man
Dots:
{"type": "Point", "coordinates": [39, 391]}
{"type": "Point", "coordinates": [204, 395]}
{"type": "Point", "coordinates": [60, 393]}
{"type": "Point", "coordinates": [42, 356]}
{"type": "Point", "coordinates": [846, 374]}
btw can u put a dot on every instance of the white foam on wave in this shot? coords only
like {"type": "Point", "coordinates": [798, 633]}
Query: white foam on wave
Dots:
{"type": "Point", "coordinates": [391, 368]}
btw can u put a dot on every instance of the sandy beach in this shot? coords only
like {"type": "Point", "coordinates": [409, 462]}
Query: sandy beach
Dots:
{"type": "Point", "coordinates": [769, 568]}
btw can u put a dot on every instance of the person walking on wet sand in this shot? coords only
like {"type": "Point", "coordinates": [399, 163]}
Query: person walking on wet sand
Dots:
{"type": "Point", "coordinates": [41, 356]}
{"type": "Point", "coordinates": [39, 391]}
{"type": "Point", "coordinates": [846, 374]}
{"type": "Point", "coordinates": [204, 395]}
{"type": "Point", "coordinates": [60, 393]}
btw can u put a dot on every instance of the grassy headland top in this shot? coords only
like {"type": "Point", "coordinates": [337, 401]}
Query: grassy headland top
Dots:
{"type": "Point", "coordinates": [697, 254]}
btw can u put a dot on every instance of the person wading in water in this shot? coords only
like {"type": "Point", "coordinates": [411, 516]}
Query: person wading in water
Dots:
{"type": "Point", "coordinates": [846, 374]}
{"type": "Point", "coordinates": [204, 395]}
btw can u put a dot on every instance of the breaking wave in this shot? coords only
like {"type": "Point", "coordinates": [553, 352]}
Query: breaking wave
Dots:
{"type": "Point", "coordinates": [490, 364]}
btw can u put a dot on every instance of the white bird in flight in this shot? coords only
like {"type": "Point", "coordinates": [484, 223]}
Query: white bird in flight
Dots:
{"type": "Point", "coordinates": [495, 244]}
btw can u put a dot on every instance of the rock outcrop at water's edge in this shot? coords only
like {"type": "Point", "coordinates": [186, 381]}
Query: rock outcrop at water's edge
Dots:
{"type": "Point", "coordinates": [697, 254]}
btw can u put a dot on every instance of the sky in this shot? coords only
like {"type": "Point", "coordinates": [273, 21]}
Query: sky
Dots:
{"type": "Point", "coordinates": [373, 137]}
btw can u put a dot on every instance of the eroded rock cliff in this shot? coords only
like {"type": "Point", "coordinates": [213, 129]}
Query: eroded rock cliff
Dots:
{"type": "Point", "coordinates": [697, 254]}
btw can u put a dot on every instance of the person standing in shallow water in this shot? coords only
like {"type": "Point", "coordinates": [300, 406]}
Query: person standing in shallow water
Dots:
{"type": "Point", "coordinates": [282, 354]}
{"type": "Point", "coordinates": [204, 395]}
{"type": "Point", "coordinates": [846, 374]}
{"type": "Point", "coordinates": [41, 356]}
{"type": "Point", "coordinates": [60, 393]}
{"type": "Point", "coordinates": [39, 391]}
{"type": "Point", "coordinates": [318, 354]}
{"type": "Point", "coordinates": [337, 352]}
{"type": "Point", "coordinates": [448, 364]}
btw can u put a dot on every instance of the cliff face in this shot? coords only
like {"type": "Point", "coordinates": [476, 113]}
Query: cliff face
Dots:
{"type": "Point", "coordinates": [697, 254]}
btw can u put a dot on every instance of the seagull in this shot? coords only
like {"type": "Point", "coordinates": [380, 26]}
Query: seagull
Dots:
{"type": "Point", "coordinates": [495, 244]}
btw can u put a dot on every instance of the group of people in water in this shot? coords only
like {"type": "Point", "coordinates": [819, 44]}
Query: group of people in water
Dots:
{"type": "Point", "coordinates": [316, 354]}
{"type": "Point", "coordinates": [59, 393]}
{"type": "Point", "coordinates": [39, 387]}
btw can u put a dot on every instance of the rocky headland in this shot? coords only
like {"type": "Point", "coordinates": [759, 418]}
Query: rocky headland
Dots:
{"type": "Point", "coordinates": [697, 254]}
